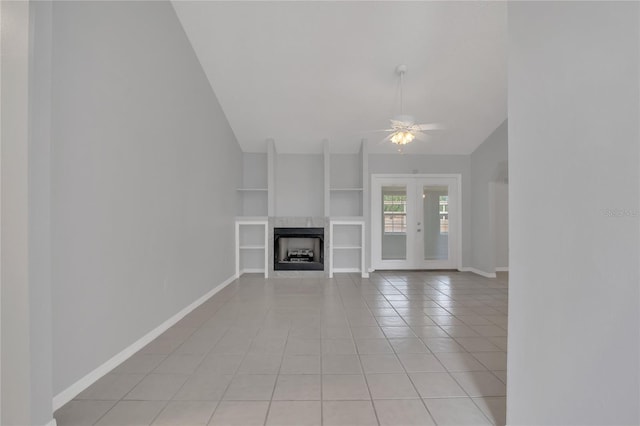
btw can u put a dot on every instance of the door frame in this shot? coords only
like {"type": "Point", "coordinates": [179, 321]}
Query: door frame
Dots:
{"type": "Point", "coordinates": [376, 241]}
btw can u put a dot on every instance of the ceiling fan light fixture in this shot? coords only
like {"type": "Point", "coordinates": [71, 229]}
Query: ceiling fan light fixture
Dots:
{"type": "Point", "coordinates": [402, 137]}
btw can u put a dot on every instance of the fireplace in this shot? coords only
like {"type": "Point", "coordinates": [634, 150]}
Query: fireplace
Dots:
{"type": "Point", "coordinates": [298, 249]}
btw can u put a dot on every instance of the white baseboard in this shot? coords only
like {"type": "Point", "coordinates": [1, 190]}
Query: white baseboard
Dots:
{"type": "Point", "coordinates": [72, 391]}
{"type": "Point", "coordinates": [502, 269]}
{"type": "Point", "coordinates": [252, 271]}
{"type": "Point", "coordinates": [478, 271]}
{"type": "Point", "coordinates": [346, 270]}
{"type": "Point", "coordinates": [365, 275]}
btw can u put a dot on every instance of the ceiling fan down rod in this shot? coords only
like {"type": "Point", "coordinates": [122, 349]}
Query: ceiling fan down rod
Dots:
{"type": "Point", "coordinates": [401, 69]}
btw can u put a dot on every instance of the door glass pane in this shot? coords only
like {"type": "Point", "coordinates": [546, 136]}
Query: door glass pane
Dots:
{"type": "Point", "coordinates": [435, 202]}
{"type": "Point", "coordinates": [394, 222]}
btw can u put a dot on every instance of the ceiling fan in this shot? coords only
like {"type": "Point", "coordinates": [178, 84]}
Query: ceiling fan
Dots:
{"type": "Point", "coordinates": [403, 127]}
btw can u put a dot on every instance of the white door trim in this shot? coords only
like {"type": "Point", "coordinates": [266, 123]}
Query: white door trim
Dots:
{"type": "Point", "coordinates": [376, 247]}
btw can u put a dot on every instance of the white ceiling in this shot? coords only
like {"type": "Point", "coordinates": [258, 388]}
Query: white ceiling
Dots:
{"type": "Point", "coordinates": [301, 72]}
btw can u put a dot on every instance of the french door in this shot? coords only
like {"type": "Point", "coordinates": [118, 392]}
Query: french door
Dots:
{"type": "Point", "coordinates": [415, 221]}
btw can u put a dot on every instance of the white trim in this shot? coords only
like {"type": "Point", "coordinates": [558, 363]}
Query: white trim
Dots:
{"type": "Point", "coordinates": [252, 271]}
{"type": "Point", "coordinates": [72, 391]}
{"type": "Point", "coordinates": [346, 270]}
{"type": "Point", "coordinates": [502, 269]}
{"type": "Point", "coordinates": [478, 271]}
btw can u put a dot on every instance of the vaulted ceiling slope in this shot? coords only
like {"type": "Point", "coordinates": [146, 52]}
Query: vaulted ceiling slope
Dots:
{"type": "Point", "coordinates": [301, 72]}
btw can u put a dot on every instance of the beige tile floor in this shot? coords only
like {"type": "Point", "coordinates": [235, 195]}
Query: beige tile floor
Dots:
{"type": "Point", "coordinates": [399, 348]}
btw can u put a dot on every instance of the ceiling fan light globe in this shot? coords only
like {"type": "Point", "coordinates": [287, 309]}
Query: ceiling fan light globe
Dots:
{"type": "Point", "coordinates": [402, 138]}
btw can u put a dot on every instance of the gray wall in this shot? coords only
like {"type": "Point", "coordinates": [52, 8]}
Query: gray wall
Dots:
{"type": "Point", "coordinates": [144, 175]}
{"type": "Point", "coordinates": [487, 163]}
{"type": "Point", "coordinates": [423, 164]}
{"type": "Point", "coordinates": [501, 220]}
{"type": "Point", "coordinates": [573, 145]}
{"type": "Point", "coordinates": [300, 183]}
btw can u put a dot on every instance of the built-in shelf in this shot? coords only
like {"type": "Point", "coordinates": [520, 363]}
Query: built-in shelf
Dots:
{"type": "Point", "coordinates": [334, 226]}
{"type": "Point", "coordinates": [243, 225]}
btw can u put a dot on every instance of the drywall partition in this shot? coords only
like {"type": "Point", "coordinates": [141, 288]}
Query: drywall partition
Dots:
{"type": "Point", "coordinates": [144, 175]}
{"type": "Point", "coordinates": [573, 146]}
{"type": "Point", "coordinates": [429, 164]}
{"type": "Point", "coordinates": [487, 163]}
{"type": "Point", "coordinates": [16, 399]}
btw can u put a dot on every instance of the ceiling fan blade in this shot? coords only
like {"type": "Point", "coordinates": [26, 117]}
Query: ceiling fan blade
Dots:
{"type": "Point", "coordinates": [420, 136]}
{"type": "Point", "coordinates": [387, 139]}
{"type": "Point", "coordinates": [378, 130]}
{"type": "Point", "coordinates": [398, 123]}
{"type": "Point", "coordinates": [430, 126]}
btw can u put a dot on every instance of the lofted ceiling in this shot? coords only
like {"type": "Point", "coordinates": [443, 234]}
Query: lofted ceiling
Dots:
{"type": "Point", "coordinates": [302, 72]}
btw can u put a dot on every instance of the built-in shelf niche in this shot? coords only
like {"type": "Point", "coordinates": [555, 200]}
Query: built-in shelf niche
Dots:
{"type": "Point", "coordinates": [254, 193]}
{"type": "Point", "coordinates": [251, 245]}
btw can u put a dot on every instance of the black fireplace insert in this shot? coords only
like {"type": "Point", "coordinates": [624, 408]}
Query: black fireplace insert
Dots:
{"type": "Point", "coordinates": [298, 249]}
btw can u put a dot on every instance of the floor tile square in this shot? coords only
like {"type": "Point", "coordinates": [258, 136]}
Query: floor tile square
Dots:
{"type": "Point", "coordinates": [111, 387]}
{"type": "Point", "coordinates": [367, 333]}
{"type": "Point", "coordinates": [301, 364]}
{"type": "Point", "coordinates": [477, 344]}
{"type": "Point", "coordinates": [260, 364]}
{"type": "Point", "coordinates": [295, 413]}
{"type": "Point", "coordinates": [160, 387]}
{"type": "Point", "coordinates": [203, 387]}
{"type": "Point", "coordinates": [480, 383]}
{"type": "Point", "coordinates": [250, 387]}
{"type": "Point", "coordinates": [391, 386]}
{"type": "Point", "coordinates": [373, 346]}
{"type": "Point", "coordinates": [240, 413]}
{"type": "Point", "coordinates": [443, 344]}
{"type": "Point", "coordinates": [219, 364]}
{"type": "Point", "coordinates": [408, 345]}
{"type": "Point", "coordinates": [494, 408]}
{"type": "Point", "coordinates": [139, 363]}
{"type": "Point", "coordinates": [436, 385]}
{"type": "Point", "coordinates": [338, 347]}
{"type": "Point", "coordinates": [298, 387]}
{"type": "Point", "coordinates": [344, 387]}
{"type": "Point", "coordinates": [128, 413]}
{"type": "Point", "coordinates": [341, 364]}
{"type": "Point", "coordinates": [405, 412]}
{"type": "Point", "coordinates": [421, 363]}
{"type": "Point", "coordinates": [459, 361]}
{"type": "Point", "coordinates": [302, 347]}
{"type": "Point", "coordinates": [381, 364]}
{"type": "Point", "coordinates": [186, 413]}
{"type": "Point", "coordinates": [456, 411]}
{"type": "Point", "coordinates": [348, 413]}
{"type": "Point", "coordinates": [179, 364]}
{"type": "Point", "coordinates": [492, 360]}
